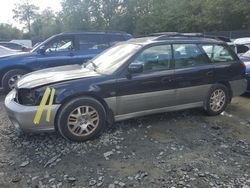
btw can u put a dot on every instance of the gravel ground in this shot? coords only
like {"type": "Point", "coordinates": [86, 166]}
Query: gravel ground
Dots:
{"type": "Point", "coordinates": [177, 149]}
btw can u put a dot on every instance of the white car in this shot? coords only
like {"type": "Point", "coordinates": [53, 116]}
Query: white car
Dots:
{"type": "Point", "coordinates": [244, 41]}
{"type": "Point", "coordinates": [6, 51]}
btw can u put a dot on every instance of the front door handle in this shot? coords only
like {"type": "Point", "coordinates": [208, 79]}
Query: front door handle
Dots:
{"type": "Point", "coordinates": [71, 54]}
{"type": "Point", "coordinates": [210, 73]}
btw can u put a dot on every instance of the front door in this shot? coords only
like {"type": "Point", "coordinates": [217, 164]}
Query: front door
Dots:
{"type": "Point", "coordinates": [152, 88]}
{"type": "Point", "coordinates": [58, 52]}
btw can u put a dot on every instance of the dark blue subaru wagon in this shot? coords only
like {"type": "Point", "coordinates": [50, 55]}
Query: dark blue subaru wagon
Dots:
{"type": "Point", "coordinates": [58, 50]}
{"type": "Point", "coordinates": [133, 78]}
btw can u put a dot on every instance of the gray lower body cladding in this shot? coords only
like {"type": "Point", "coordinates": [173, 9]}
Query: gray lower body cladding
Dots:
{"type": "Point", "coordinates": [123, 107]}
{"type": "Point", "coordinates": [129, 106]}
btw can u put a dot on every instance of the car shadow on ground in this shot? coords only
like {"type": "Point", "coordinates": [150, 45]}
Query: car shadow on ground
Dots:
{"type": "Point", "coordinates": [246, 95]}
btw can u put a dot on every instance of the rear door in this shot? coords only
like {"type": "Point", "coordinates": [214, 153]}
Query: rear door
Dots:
{"type": "Point", "coordinates": [90, 45]}
{"type": "Point", "coordinates": [225, 61]}
{"type": "Point", "coordinates": [194, 73]}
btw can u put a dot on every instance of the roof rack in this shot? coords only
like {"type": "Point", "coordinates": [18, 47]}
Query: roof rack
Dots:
{"type": "Point", "coordinates": [96, 31]}
{"type": "Point", "coordinates": [169, 34]}
{"type": "Point", "coordinates": [166, 35]}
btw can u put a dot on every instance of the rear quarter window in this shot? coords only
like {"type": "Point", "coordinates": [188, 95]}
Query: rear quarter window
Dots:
{"type": "Point", "coordinates": [219, 53]}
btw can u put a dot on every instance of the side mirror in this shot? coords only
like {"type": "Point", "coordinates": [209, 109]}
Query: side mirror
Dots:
{"type": "Point", "coordinates": [41, 50]}
{"type": "Point", "coordinates": [135, 68]}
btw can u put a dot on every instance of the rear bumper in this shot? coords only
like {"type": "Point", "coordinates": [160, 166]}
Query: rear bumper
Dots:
{"type": "Point", "coordinates": [22, 116]}
{"type": "Point", "coordinates": [238, 87]}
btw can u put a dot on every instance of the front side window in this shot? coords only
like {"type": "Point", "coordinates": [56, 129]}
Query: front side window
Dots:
{"type": "Point", "coordinates": [58, 45]}
{"type": "Point", "coordinates": [188, 55]}
{"type": "Point", "coordinates": [155, 58]}
{"type": "Point", "coordinates": [218, 53]}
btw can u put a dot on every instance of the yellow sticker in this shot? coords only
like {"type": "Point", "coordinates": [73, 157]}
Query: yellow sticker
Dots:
{"type": "Point", "coordinates": [41, 106]}
{"type": "Point", "coordinates": [50, 104]}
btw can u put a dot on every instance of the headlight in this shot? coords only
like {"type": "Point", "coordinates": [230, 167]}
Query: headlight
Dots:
{"type": "Point", "coordinates": [27, 97]}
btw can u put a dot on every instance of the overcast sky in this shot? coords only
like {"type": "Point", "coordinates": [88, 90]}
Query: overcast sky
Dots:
{"type": "Point", "coordinates": [6, 14]}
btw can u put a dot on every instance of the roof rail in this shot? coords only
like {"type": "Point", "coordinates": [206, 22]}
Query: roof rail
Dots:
{"type": "Point", "coordinates": [96, 31]}
{"type": "Point", "coordinates": [166, 35]}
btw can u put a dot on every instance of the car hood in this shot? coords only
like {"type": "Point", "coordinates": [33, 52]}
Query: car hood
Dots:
{"type": "Point", "coordinates": [53, 75]}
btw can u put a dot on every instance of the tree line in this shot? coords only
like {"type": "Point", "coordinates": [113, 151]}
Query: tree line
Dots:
{"type": "Point", "coordinates": [133, 16]}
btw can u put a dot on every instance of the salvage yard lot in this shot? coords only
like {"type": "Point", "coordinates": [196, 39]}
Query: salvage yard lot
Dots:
{"type": "Point", "coordinates": [180, 149]}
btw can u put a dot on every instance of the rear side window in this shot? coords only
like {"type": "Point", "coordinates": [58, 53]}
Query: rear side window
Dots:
{"type": "Point", "coordinates": [218, 53]}
{"type": "Point", "coordinates": [188, 55]}
{"type": "Point", "coordinates": [93, 42]}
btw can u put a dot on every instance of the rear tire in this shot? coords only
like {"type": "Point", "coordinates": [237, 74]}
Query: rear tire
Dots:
{"type": "Point", "coordinates": [217, 99]}
{"type": "Point", "coordinates": [81, 119]}
{"type": "Point", "coordinates": [10, 78]}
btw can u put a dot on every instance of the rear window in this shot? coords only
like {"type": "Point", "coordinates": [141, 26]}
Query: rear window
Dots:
{"type": "Point", "coordinates": [218, 53]}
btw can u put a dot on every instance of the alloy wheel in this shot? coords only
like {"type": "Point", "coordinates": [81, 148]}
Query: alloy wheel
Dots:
{"type": "Point", "coordinates": [83, 120]}
{"type": "Point", "coordinates": [217, 100]}
{"type": "Point", "coordinates": [12, 81]}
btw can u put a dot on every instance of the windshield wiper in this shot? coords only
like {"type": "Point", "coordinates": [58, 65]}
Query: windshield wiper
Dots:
{"type": "Point", "coordinates": [95, 67]}
{"type": "Point", "coordinates": [90, 62]}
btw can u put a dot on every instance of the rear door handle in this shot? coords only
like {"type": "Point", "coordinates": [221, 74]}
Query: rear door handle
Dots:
{"type": "Point", "coordinates": [210, 73]}
{"type": "Point", "coordinates": [167, 79]}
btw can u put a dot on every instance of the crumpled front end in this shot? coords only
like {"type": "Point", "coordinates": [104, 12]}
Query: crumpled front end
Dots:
{"type": "Point", "coordinates": [22, 116]}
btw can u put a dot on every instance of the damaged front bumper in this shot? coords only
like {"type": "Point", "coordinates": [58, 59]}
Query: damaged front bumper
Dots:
{"type": "Point", "coordinates": [22, 116]}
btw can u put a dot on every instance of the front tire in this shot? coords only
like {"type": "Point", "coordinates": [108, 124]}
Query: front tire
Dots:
{"type": "Point", "coordinates": [217, 100]}
{"type": "Point", "coordinates": [81, 119]}
{"type": "Point", "coordinates": [10, 78]}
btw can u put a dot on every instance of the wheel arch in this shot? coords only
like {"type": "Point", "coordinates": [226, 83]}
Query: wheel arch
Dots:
{"type": "Point", "coordinates": [6, 69]}
{"type": "Point", "coordinates": [227, 84]}
{"type": "Point", "coordinates": [108, 111]}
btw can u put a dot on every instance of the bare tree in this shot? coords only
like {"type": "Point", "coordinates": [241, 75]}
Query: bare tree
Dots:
{"type": "Point", "coordinates": [24, 13]}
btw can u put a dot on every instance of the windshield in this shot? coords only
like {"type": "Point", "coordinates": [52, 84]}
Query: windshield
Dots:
{"type": "Point", "coordinates": [37, 47]}
{"type": "Point", "coordinates": [247, 54]}
{"type": "Point", "coordinates": [110, 60]}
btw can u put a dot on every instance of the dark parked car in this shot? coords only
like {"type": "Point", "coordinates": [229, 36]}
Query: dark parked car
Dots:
{"type": "Point", "coordinates": [61, 49]}
{"type": "Point", "coordinates": [246, 59]}
{"type": "Point", "coordinates": [134, 78]}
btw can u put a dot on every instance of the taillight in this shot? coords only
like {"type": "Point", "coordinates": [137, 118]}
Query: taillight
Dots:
{"type": "Point", "coordinates": [242, 65]}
